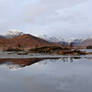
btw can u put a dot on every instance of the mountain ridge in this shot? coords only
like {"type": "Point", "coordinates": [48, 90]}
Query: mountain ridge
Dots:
{"type": "Point", "coordinates": [25, 41]}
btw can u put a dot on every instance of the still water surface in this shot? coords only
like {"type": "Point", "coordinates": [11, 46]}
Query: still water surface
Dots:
{"type": "Point", "coordinates": [46, 75]}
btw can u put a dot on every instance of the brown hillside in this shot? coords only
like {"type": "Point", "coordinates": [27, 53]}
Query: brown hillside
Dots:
{"type": "Point", "coordinates": [85, 43]}
{"type": "Point", "coordinates": [25, 41]}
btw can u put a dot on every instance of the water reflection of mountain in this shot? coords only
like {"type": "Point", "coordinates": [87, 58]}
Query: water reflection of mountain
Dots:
{"type": "Point", "coordinates": [16, 63]}
{"type": "Point", "coordinates": [19, 63]}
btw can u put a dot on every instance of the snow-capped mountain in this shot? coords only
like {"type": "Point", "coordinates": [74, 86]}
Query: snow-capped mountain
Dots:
{"type": "Point", "coordinates": [12, 33]}
{"type": "Point", "coordinates": [76, 42]}
{"type": "Point", "coordinates": [51, 38]}
{"type": "Point", "coordinates": [60, 40]}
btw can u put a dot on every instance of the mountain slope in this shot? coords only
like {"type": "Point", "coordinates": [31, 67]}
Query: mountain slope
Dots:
{"type": "Point", "coordinates": [11, 34]}
{"type": "Point", "coordinates": [85, 43]}
{"type": "Point", "coordinates": [28, 41]}
{"type": "Point", "coordinates": [25, 41]}
{"type": "Point", "coordinates": [76, 42]}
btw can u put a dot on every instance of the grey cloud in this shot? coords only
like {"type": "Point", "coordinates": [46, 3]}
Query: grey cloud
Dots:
{"type": "Point", "coordinates": [75, 17]}
{"type": "Point", "coordinates": [47, 16]}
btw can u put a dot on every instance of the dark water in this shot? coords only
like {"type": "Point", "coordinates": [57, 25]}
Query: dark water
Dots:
{"type": "Point", "coordinates": [46, 75]}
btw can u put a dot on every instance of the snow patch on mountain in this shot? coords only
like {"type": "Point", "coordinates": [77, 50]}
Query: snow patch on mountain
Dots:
{"type": "Point", "coordinates": [51, 38]}
{"type": "Point", "coordinates": [12, 33]}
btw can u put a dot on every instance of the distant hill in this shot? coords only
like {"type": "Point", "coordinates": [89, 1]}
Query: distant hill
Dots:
{"type": "Point", "coordinates": [1, 36]}
{"type": "Point", "coordinates": [25, 41]}
{"type": "Point", "coordinates": [85, 43]}
{"type": "Point", "coordinates": [11, 34]}
{"type": "Point", "coordinates": [76, 42]}
{"type": "Point", "coordinates": [64, 43]}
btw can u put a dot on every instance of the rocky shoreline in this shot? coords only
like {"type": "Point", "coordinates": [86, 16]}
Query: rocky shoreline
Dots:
{"type": "Point", "coordinates": [49, 50]}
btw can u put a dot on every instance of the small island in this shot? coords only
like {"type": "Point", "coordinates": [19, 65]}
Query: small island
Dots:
{"type": "Point", "coordinates": [50, 50]}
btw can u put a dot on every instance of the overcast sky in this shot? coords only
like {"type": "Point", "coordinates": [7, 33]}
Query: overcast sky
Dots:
{"type": "Point", "coordinates": [68, 18]}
